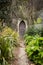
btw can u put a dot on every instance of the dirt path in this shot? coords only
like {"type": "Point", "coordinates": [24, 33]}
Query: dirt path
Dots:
{"type": "Point", "coordinates": [20, 56]}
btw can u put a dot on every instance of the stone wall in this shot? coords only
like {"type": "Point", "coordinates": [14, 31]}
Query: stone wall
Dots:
{"type": "Point", "coordinates": [24, 9]}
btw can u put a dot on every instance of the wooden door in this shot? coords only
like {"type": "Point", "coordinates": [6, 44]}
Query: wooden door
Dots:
{"type": "Point", "coordinates": [22, 28]}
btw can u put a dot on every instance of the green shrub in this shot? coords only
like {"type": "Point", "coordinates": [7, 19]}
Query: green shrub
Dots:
{"type": "Point", "coordinates": [39, 20]}
{"type": "Point", "coordinates": [5, 49]}
{"type": "Point", "coordinates": [34, 49]}
{"type": "Point", "coordinates": [8, 39]}
{"type": "Point", "coordinates": [8, 32]}
{"type": "Point", "coordinates": [28, 39]}
{"type": "Point", "coordinates": [32, 31]}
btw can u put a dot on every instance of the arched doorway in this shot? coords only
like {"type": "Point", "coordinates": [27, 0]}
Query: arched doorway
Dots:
{"type": "Point", "coordinates": [22, 28]}
{"type": "Point", "coordinates": [21, 24]}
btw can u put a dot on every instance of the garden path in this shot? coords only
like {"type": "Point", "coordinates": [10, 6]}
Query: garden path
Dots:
{"type": "Point", "coordinates": [20, 55]}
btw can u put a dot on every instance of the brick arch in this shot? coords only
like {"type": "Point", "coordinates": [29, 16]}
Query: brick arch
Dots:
{"type": "Point", "coordinates": [19, 21]}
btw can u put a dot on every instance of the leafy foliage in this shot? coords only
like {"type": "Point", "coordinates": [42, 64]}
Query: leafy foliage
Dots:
{"type": "Point", "coordinates": [33, 31]}
{"type": "Point", "coordinates": [34, 44]}
{"type": "Point", "coordinates": [34, 48]}
{"type": "Point", "coordinates": [39, 20]}
{"type": "Point", "coordinates": [8, 40]}
{"type": "Point", "coordinates": [8, 32]}
{"type": "Point", "coordinates": [28, 39]}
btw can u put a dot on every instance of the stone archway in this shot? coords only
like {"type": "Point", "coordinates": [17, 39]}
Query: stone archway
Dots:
{"type": "Point", "coordinates": [20, 24]}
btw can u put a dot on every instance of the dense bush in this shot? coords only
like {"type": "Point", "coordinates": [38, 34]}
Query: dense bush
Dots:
{"type": "Point", "coordinates": [34, 48]}
{"type": "Point", "coordinates": [33, 31]}
{"type": "Point", "coordinates": [8, 32]}
{"type": "Point", "coordinates": [5, 49]}
{"type": "Point", "coordinates": [34, 44]}
{"type": "Point", "coordinates": [8, 39]}
{"type": "Point", "coordinates": [27, 39]}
